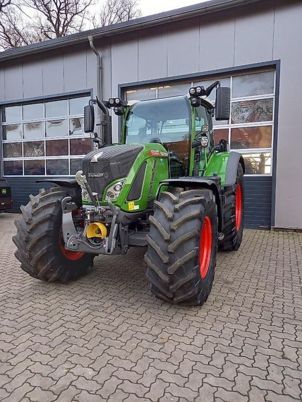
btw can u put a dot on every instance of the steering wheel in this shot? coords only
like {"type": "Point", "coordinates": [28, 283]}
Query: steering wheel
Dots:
{"type": "Point", "coordinates": [156, 140]}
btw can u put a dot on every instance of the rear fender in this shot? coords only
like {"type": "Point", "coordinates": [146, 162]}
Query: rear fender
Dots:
{"type": "Point", "coordinates": [225, 165]}
{"type": "Point", "coordinates": [211, 183]}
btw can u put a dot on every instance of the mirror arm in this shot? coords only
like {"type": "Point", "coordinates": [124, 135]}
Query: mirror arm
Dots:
{"type": "Point", "coordinates": [102, 106]}
{"type": "Point", "coordinates": [211, 87]}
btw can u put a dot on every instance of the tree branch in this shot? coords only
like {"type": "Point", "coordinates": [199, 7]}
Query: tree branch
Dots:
{"type": "Point", "coordinates": [29, 21]}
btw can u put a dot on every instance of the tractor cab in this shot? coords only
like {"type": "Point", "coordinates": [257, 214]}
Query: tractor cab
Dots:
{"type": "Point", "coordinates": [168, 122]}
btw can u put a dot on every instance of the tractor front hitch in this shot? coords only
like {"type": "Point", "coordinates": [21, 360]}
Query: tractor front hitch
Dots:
{"type": "Point", "coordinates": [78, 241]}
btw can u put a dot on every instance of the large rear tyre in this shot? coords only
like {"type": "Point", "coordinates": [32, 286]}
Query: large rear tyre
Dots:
{"type": "Point", "coordinates": [182, 246]}
{"type": "Point", "coordinates": [39, 240]}
{"type": "Point", "coordinates": [233, 215]}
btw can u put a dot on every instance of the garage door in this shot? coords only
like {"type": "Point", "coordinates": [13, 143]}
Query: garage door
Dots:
{"type": "Point", "coordinates": [45, 138]}
{"type": "Point", "coordinates": [249, 131]}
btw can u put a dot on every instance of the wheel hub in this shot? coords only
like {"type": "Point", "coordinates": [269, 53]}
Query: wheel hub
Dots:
{"type": "Point", "coordinates": [68, 254]}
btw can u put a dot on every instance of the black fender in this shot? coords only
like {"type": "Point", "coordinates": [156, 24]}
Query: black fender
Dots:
{"type": "Point", "coordinates": [194, 182]}
{"type": "Point", "coordinates": [60, 182]}
{"type": "Point", "coordinates": [231, 168]}
{"type": "Point", "coordinates": [70, 185]}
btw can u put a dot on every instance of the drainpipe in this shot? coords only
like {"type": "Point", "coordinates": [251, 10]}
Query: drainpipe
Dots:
{"type": "Point", "coordinates": [99, 68]}
{"type": "Point", "coordinates": [105, 119]}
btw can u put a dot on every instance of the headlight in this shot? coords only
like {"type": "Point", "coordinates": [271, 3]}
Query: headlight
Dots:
{"type": "Point", "coordinates": [198, 90]}
{"type": "Point", "coordinates": [114, 190]}
{"type": "Point", "coordinates": [118, 187]}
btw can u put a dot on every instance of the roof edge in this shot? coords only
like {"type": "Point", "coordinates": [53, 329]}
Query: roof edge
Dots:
{"type": "Point", "coordinates": [125, 27]}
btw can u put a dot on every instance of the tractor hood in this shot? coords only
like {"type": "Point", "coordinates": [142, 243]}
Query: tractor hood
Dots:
{"type": "Point", "coordinates": [107, 164]}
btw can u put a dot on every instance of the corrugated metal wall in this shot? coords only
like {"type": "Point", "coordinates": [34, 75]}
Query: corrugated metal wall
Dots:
{"type": "Point", "coordinates": [257, 202]}
{"type": "Point", "coordinates": [22, 187]}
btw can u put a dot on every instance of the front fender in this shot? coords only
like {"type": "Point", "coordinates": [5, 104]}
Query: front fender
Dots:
{"type": "Point", "coordinates": [196, 182]}
{"type": "Point", "coordinates": [225, 165]}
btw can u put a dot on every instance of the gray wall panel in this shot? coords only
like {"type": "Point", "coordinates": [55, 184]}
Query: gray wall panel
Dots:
{"type": "Point", "coordinates": [108, 90]}
{"type": "Point", "coordinates": [74, 71]}
{"type": "Point", "coordinates": [2, 84]}
{"type": "Point", "coordinates": [183, 51]}
{"type": "Point", "coordinates": [153, 55]}
{"type": "Point", "coordinates": [32, 80]}
{"type": "Point", "coordinates": [13, 83]}
{"type": "Point", "coordinates": [216, 44]}
{"type": "Point", "coordinates": [124, 69]}
{"type": "Point", "coordinates": [53, 76]}
{"type": "Point", "coordinates": [287, 47]}
{"type": "Point", "coordinates": [124, 62]}
{"type": "Point", "coordinates": [254, 38]}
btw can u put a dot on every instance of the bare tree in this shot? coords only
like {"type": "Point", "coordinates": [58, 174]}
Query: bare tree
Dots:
{"type": "Point", "coordinates": [115, 11]}
{"type": "Point", "coordinates": [57, 18]}
{"type": "Point", "coordinates": [4, 4]}
{"type": "Point", "coordinates": [15, 31]}
{"type": "Point", "coordinates": [23, 22]}
{"type": "Point", "coordinates": [29, 21]}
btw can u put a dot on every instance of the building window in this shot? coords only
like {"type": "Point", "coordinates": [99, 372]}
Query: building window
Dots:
{"type": "Point", "coordinates": [45, 138]}
{"type": "Point", "coordinates": [251, 126]}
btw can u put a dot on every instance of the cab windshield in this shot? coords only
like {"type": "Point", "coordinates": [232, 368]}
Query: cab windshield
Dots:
{"type": "Point", "coordinates": [166, 121]}
{"type": "Point", "coordinates": [162, 120]}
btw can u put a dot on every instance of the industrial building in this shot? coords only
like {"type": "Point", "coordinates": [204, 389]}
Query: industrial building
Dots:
{"type": "Point", "coordinates": [252, 46]}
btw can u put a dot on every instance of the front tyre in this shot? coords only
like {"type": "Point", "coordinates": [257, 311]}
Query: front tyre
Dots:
{"type": "Point", "coordinates": [182, 246]}
{"type": "Point", "coordinates": [39, 239]}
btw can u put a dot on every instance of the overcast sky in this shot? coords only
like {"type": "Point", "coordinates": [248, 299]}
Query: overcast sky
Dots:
{"type": "Point", "coordinates": [156, 6]}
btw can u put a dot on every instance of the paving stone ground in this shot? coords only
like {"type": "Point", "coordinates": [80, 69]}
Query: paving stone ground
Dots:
{"type": "Point", "coordinates": [106, 337]}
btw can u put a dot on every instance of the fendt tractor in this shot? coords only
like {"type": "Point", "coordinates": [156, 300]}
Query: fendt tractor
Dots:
{"type": "Point", "coordinates": [165, 186]}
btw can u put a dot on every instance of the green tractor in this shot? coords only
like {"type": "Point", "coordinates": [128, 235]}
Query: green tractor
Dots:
{"type": "Point", "coordinates": [166, 186]}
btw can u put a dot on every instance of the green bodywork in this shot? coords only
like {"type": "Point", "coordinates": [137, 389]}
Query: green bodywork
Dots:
{"type": "Point", "coordinates": [216, 165]}
{"type": "Point", "coordinates": [156, 170]}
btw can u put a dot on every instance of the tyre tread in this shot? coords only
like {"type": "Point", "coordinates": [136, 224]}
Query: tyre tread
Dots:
{"type": "Point", "coordinates": [36, 249]}
{"type": "Point", "coordinates": [173, 246]}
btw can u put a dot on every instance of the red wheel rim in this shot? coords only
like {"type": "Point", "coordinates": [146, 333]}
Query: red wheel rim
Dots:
{"type": "Point", "coordinates": [68, 254]}
{"type": "Point", "coordinates": [238, 210]}
{"type": "Point", "coordinates": [205, 247]}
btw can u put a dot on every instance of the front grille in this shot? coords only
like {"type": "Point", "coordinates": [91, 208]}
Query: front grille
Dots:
{"type": "Point", "coordinates": [103, 166]}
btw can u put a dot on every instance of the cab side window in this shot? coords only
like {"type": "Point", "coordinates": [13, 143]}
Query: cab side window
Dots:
{"type": "Point", "coordinates": [201, 120]}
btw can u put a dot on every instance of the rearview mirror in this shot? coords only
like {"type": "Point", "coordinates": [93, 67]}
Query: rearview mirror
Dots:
{"type": "Point", "coordinates": [223, 103]}
{"type": "Point", "coordinates": [89, 119]}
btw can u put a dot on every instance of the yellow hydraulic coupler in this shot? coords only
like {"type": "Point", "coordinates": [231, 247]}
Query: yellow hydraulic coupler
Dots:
{"type": "Point", "coordinates": [96, 229]}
